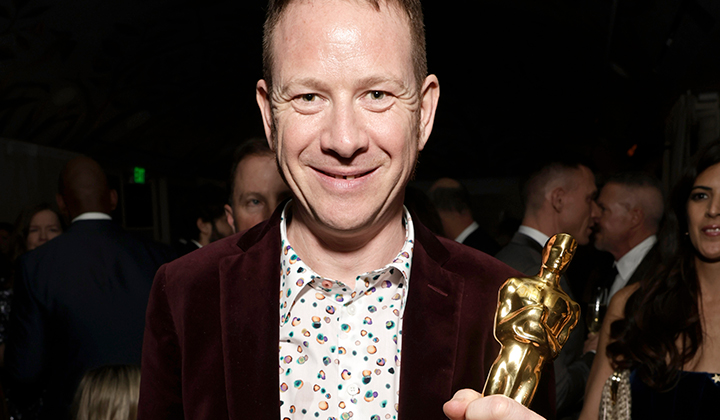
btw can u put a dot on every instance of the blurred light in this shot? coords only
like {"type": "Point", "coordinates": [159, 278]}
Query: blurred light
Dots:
{"type": "Point", "coordinates": [139, 175]}
{"type": "Point", "coordinates": [631, 151]}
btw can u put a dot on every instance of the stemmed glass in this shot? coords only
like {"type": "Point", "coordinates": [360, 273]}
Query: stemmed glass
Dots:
{"type": "Point", "coordinates": [596, 309]}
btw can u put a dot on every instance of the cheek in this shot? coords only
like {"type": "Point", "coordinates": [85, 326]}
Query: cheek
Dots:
{"type": "Point", "coordinates": [32, 241]}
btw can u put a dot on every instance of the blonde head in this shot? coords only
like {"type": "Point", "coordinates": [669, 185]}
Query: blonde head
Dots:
{"type": "Point", "coordinates": [108, 393]}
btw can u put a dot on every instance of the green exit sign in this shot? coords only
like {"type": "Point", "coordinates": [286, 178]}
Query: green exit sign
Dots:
{"type": "Point", "coordinates": [139, 175]}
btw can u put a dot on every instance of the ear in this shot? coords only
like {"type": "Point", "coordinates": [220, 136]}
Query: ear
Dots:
{"type": "Point", "coordinates": [262, 95]}
{"type": "Point", "coordinates": [230, 218]}
{"type": "Point", "coordinates": [637, 216]}
{"type": "Point", "coordinates": [113, 200]}
{"type": "Point", "coordinates": [557, 199]}
{"type": "Point", "coordinates": [61, 203]}
{"type": "Point", "coordinates": [429, 96]}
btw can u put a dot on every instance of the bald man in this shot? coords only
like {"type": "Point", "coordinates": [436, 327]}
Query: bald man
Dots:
{"type": "Point", "coordinates": [559, 197]}
{"type": "Point", "coordinates": [80, 299]}
{"type": "Point", "coordinates": [631, 208]}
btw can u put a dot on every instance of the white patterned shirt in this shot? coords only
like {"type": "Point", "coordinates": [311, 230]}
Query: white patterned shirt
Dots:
{"type": "Point", "coordinates": [339, 349]}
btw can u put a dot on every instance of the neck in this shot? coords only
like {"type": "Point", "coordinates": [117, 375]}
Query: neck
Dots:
{"type": "Point", "coordinates": [454, 223]}
{"type": "Point", "coordinates": [708, 276]}
{"type": "Point", "coordinates": [627, 246]}
{"type": "Point", "coordinates": [543, 224]}
{"type": "Point", "coordinates": [549, 276]}
{"type": "Point", "coordinates": [342, 255]}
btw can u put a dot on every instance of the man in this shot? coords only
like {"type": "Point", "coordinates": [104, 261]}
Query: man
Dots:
{"type": "Point", "coordinates": [558, 198]}
{"type": "Point", "coordinates": [452, 201]}
{"type": "Point", "coordinates": [80, 299]}
{"type": "Point", "coordinates": [347, 106]}
{"type": "Point", "coordinates": [631, 208]}
{"type": "Point", "coordinates": [256, 187]}
{"type": "Point", "coordinates": [205, 221]}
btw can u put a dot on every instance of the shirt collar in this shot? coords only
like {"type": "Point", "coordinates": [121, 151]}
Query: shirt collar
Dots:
{"type": "Point", "coordinates": [627, 264]}
{"type": "Point", "coordinates": [465, 233]}
{"type": "Point", "coordinates": [538, 236]}
{"type": "Point", "coordinates": [92, 215]}
{"type": "Point", "coordinates": [295, 275]}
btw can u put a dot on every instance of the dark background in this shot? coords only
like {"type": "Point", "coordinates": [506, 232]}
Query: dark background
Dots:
{"type": "Point", "coordinates": [169, 85]}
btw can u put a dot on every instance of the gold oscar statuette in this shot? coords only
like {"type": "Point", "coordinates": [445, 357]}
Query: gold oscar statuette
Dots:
{"type": "Point", "coordinates": [533, 321]}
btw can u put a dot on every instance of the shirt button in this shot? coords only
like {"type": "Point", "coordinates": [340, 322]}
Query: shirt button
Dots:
{"type": "Point", "coordinates": [351, 309]}
{"type": "Point", "coordinates": [353, 389]}
{"type": "Point", "coordinates": [327, 284]}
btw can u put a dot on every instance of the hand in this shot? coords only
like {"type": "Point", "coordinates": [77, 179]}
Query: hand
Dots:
{"type": "Point", "coordinates": [467, 404]}
{"type": "Point", "coordinates": [591, 343]}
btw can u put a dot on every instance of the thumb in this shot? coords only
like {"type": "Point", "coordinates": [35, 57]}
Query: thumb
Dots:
{"type": "Point", "coordinates": [455, 408]}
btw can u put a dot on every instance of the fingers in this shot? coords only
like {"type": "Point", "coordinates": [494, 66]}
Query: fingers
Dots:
{"type": "Point", "coordinates": [498, 407]}
{"type": "Point", "coordinates": [467, 404]}
{"type": "Point", "coordinates": [456, 407]}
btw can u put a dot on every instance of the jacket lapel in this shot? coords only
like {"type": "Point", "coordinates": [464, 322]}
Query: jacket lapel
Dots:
{"type": "Point", "coordinates": [430, 329]}
{"type": "Point", "coordinates": [249, 287]}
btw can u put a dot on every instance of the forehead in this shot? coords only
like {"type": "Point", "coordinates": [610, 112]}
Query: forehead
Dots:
{"type": "Point", "coordinates": [613, 192]}
{"type": "Point", "coordinates": [339, 36]}
{"type": "Point", "coordinates": [709, 177]}
{"type": "Point", "coordinates": [254, 165]}
{"type": "Point", "coordinates": [43, 217]}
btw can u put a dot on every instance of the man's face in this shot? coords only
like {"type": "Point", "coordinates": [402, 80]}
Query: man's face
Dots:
{"type": "Point", "coordinates": [258, 190]}
{"type": "Point", "coordinates": [579, 207]}
{"type": "Point", "coordinates": [614, 220]}
{"type": "Point", "coordinates": [348, 118]}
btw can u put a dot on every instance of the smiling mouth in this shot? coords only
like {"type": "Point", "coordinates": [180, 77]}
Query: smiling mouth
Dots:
{"type": "Point", "coordinates": [345, 177]}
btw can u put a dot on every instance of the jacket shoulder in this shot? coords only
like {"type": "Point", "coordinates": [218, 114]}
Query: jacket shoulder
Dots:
{"type": "Point", "coordinates": [468, 261]}
{"type": "Point", "coordinates": [202, 263]}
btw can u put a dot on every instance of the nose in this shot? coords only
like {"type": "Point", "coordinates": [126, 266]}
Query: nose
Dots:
{"type": "Point", "coordinates": [344, 136]}
{"type": "Point", "coordinates": [714, 206]}
{"type": "Point", "coordinates": [42, 236]}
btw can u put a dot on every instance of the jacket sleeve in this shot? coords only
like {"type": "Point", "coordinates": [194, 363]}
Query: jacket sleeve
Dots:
{"type": "Point", "coordinates": [26, 347]}
{"type": "Point", "coordinates": [161, 379]}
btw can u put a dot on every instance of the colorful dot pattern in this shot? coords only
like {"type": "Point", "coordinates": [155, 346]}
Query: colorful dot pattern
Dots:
{"type": "Point", "coordinates": [339, 349]}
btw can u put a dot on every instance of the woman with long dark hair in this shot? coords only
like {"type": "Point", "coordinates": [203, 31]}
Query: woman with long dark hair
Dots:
{"type": "Point", "coordinates": [666, 329]}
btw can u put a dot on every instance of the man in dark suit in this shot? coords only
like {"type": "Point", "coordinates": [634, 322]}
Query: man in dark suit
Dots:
{"type": "Point", "coordinates": [340, 305]}
{"type": "Point", "coordinates": [80, 299]}
{"type": "Point", "coordinates": [558, 197]}
{"type": "Point", "coordinates": [631, 208]}
{"type": "Point", "coordinates": [452, 201]}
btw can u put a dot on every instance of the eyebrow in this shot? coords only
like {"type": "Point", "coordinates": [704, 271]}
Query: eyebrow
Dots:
{"type": "Point", "coordinates": [317, 84]}
{"type": "Point", "coordinates": [701, 187]}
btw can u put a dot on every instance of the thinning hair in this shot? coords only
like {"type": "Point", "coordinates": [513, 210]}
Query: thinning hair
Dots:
{"type": "Point", "coordinates": [108, 393]}
{"type": "Point", "coordinates": [412, 8]}
{"type": "Point", "coordinates": [537, 184]}
{"type": "Point", "coordinates": [646, 192]}
{"type": "Point", "coordinates": [252, 147]}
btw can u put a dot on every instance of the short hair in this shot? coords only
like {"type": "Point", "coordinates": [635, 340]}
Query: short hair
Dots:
{"type": "Point", "coordinates": [651, 204]}
{"type": "Point", "coordinates": [251, 147]}
{"type": "Point", "coordinates": [108, 393]}
{"type": "Point", "coordinates": [412, 8]}
{"type": "Point", "coordinates": [533, 188]}
{"type": "Point", "coordinates": [455, 199]}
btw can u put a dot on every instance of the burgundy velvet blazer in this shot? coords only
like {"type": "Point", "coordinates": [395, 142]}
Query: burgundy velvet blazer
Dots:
{"type": "Point", "coordinates": [210, 349]}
